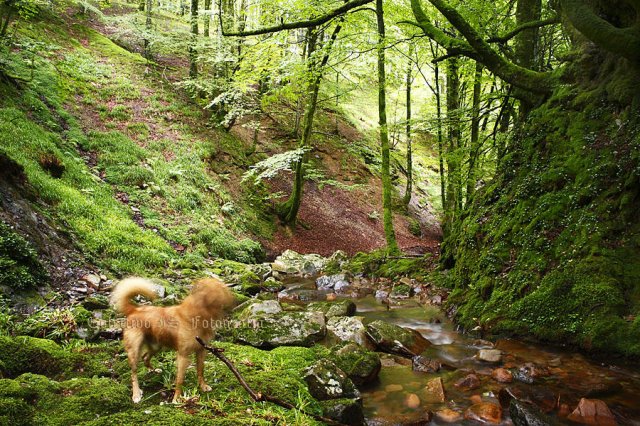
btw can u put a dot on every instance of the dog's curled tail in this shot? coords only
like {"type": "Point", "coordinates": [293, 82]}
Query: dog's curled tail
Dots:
{"type": "Point", "coordinates": [127, 289]}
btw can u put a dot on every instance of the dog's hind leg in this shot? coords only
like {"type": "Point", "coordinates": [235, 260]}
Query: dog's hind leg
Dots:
{"type": "Point", "coordinates": [200, 369]}
{"type": "Point", "coordinates": [132, 345]}
{"type": "Point", "coordinates": [183, 363]}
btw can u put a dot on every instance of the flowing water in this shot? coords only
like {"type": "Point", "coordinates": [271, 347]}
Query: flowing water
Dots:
{"type": "Point", "coordinates": [567, 375]}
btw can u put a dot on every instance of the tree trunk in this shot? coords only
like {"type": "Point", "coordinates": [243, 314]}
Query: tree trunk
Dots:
{"type": "Point", "coordinates": [207, 19]}
{"type": "Point", "coordinates": [409, 81]}
{"type": "Point", "coordinates": [288, 211]}
{"type": "Point", "coordinates": [443, 196]}
{"type": "Point", "coordinates": [526, 49]}
{"type": "Point", "coordinates": [193, 54]}
{"type": "Point", "coordinates": [474, 150]}
{"type": "Point", "coordinates": [392, 245]}
{"type": "Point", "coordinates": [147, 26]}
{"type": "Point", "coordinates": [453, 130]}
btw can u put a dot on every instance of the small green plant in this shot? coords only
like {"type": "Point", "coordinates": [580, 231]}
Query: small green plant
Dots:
{"type": "Point", "coordinates": [20, 268]}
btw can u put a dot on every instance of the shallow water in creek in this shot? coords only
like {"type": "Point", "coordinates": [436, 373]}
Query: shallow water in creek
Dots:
{"type": "Point", "coordinates": [571, 375]}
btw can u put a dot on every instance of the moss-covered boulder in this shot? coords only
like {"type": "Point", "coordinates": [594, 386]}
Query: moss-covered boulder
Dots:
{"type": "Point", "coordinates": [361, 365]}
{"type": "Point", "coordinates": [395, 339]}
{"type": "Point", "coordinates": [47, 402]}
{"type": "Point", "coordinates": [282, 329]}
{"type": "Point", "coordinates": [343, 307]}
{"type": "Point", "coordinates": [327, 381]}
{"type": "Point", "coordinates": [254, 308]}
{"type": "Point", "coordinates": [290, 262]}
{"type": "Point", "coordinates": [29, 354]}
{"type": "Point", "coordinates": [347, 411]}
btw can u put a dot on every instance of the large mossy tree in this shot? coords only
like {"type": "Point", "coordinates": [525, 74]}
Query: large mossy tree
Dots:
{"type": "Point", "coordinates": [550, 246]}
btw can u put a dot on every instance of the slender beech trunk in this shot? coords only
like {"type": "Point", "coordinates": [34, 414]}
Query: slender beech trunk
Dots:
{"type": "Point", "coordinates": [193, 53]}
{"type": "Point", "coordinates": [387, 216]}
{"type": "Point", "coordinates": [409, 82]}
{"type": "Point", "coordinates": [453, 162]}
{"type": "Point", "coordinates": [443, 196]}
{"type": "Point", "coordinates": [474, 150]}
{"type": "Point", "coordinates": [147, 25]}
{"type": "Point", "coordinates": [206, 22]}
{"type": "Point", "coordinates": [5, 24]}
{"type": "Point", "coordinates": [288, 211]}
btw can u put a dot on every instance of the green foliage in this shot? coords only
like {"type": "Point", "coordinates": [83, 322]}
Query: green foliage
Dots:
{"type": "Point", "coordinates": [20, 268]}
{"type": "Point", "coordinates": [552, 250]}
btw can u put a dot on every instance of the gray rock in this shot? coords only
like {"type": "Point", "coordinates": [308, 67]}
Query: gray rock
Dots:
{"type": "Point", "coordinates": [327, 381]}
{"type": "Point", "coordinates": [261, 308]}
{"type": "Point", "coordinates": [341, 286]}
{"type": "Point", "coordinates": [490, 355]}
{"type": "Point", "coordinates": [160, 290]}
{"type": "Point", "coordinates": [327, 282]}
{"type": "Point", "coordinates": [91, 280]}
{"type": "Point", "coordinates": [282, 329]}
{"type": "Point", "coordinates": [348, 329]}
{"type": "Point", "coordinates": [523, 414]}
{"type": "Point", "coordinates": [381, 294]}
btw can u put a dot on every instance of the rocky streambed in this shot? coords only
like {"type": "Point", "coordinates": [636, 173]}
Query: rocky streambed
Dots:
{"type": "Point", "coordinates": [406, 364]}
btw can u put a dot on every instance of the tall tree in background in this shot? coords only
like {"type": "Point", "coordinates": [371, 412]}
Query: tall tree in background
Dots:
{"type": "Point", "coordinates": [193, 53]}
{"type": "Point", "coordinates": [452, 156]}
{"type": "Point", "coordinates": [387, 214]}
{"type": "Point", "coordinates": [409, 82]}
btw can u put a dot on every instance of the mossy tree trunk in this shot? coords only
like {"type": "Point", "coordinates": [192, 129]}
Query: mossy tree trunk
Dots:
{"type": "Point", "coordinates": [454, 184]}
{"type": "Point", "coordinates": [387, 216]}
{"type": "Point", "coordinates": [474, 146]}
{"type": "Point", "coordinates": [409, 82]}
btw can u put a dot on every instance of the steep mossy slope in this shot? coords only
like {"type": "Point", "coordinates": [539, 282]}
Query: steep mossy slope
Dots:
{"type": "Point", "coordinates": [113, 156]}
{"type": "Point", "coordinates": [551, 246]}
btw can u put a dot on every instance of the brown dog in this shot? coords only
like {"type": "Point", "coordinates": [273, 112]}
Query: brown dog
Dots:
{"type": "Point", "coordinates": [150, 328]}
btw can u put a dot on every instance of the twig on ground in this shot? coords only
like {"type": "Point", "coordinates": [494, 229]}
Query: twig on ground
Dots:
{"type": "Point", "coordinates": [257, 396]}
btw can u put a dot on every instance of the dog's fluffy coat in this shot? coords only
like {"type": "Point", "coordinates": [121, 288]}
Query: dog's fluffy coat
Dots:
{"type": "Point", "coordinates": [150, 328]}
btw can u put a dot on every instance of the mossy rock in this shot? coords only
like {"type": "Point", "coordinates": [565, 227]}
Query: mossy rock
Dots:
{"type": "Point", "coordinates": [327, 381]}
{"type": "Point", "coordinates": [401, 291]}
{"type": "Point", "coordinates": [24, 354]}
{"type": "Point", "coordinates": [48, 402]}
{"type": "Point", "coordinates": [395, 339]}
{"type": "Point", "coordinates": [344, 307]}
{"type": "Point", "coordinates": [361, 365]}
{"type": "Point", "coordinates": [283, 329]}
{"type": "Point", "coordinates": [347, 411]}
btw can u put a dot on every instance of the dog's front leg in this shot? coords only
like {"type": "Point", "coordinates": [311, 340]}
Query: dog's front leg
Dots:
{"type": "Point", "coordinates": [200, 369]}
{"type": "Point", "coordinates": [183, 363]}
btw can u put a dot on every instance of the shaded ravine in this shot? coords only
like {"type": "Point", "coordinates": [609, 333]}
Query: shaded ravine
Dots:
{"type": "Point", "coordinates": [562, 376]}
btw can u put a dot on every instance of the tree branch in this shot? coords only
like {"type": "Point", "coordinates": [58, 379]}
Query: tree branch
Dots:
{"type": "Point", "coordinates": [527, 25]}
{"type": "Point", "coordinates": [310, 23]}
{"type": "Point", "coordinates": [475, 47]}
{"type": "Point", "coordinates": [621, 41]}
{"type": "Point", "coordinates": [257, 396]}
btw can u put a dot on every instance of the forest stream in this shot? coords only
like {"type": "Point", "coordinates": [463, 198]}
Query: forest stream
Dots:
{"type": "Point", "coordinates": [553, 378]}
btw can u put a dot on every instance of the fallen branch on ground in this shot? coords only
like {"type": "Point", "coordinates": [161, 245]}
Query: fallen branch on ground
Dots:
{"type": "Point", "coordinates": [257, 396]}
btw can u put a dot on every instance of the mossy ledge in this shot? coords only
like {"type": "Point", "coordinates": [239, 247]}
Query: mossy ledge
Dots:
{"type": "Point", "coordinates": [551, 247]}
